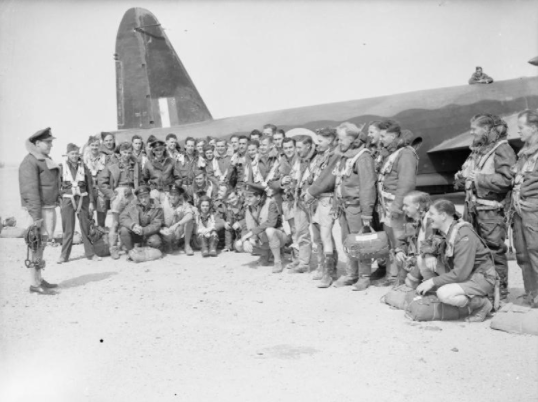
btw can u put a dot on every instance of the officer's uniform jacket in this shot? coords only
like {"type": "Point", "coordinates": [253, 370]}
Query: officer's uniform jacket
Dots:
{"type": "Point", "coordinates": [464, 254]}
{"type": "Point", "coordinates": [150, 218]}
{"type": "Point", "coordinates": [525, 192]}
{"type": "Point", "coordinates": [39, 181]}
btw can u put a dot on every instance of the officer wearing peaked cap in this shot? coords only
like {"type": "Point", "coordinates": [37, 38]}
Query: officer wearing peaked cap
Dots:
{"type": "Point", "coordinates": [264, 225]}
{"type": "Point", "coordinates": [39, 183]}
{"type": "Point", "coordinates": [141, 221]}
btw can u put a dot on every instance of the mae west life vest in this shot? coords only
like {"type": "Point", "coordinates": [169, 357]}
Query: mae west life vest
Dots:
{"type": "Point", "coordinates": [345, 171]}
{"type": "Point", "coordinates": [483, 165]}
{"type": "Point", "coordinates": [528, 167]}
{"type": "Point", "coordinates": [67, 177]}
{"type": "Point", "coordinates": [257, 176]}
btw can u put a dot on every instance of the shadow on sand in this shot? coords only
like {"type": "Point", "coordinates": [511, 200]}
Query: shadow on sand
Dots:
{"type": "Point", "coordinates": [84, 279]}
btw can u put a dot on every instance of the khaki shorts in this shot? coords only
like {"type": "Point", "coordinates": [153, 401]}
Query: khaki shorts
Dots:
{"type": "Point", "coordinates": [122, 197]}
{"type": "Point", "coordinates": [323, 213]}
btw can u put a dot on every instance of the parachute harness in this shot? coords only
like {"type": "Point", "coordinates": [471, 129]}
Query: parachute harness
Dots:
{"type": "Point", "coordinates": [33, 243]}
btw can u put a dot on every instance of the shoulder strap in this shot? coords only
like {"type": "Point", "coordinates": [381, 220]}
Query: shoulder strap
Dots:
{"type": "Point", "coordinates": [484, 158]}
{"type": "Point", "coordinates": [389, 162]}
{"type": "Point", "coordinates": [452, 239]}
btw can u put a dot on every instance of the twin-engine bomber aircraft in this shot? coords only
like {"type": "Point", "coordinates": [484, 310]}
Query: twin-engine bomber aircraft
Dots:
{"type": "Point", "coordinates": [155, 95]}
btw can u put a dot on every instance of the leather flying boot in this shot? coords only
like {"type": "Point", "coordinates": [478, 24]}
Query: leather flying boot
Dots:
{"type": "Point", "coordinates": [114, 252]}
{"type": "Point", "coordinates": [351, 276]}
{"type": "Point", "coordinates": [380, 272]}
{"type": "Point", "coordinates": [292, 264]}
{"type": "Point", "coordinates": [362, 284]}
{"type": "Point", "coordinates": [317, 274]}
{"type": "Point", "coordinates": [329, 272]}
{"type": "Point", "coordinates": [205, 247]}
{"type": "Point", "coordinates": [479, 307]}
{"type": "Point", "coordinates": [299, 269]}
{"type": "Point", "coordinates": [213, 241]}
{"type": "Point", "coordinates": [263, 261]}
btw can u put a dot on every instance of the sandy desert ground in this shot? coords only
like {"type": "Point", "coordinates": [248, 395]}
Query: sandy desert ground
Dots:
{"type": "Point", "coordinates": [194, 329]}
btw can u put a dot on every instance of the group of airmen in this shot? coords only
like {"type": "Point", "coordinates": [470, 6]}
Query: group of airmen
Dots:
{"type": "Point", "coordinates": [267, 192]}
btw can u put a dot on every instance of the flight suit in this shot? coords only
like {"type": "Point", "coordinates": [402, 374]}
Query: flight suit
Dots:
{"type": "Point", "coordinates": [396, 178]}
{"type": "Point", "coordinates": [355, 196]}
{"type": "Point", "coordinates": [322, 189]}
{"type": "Point", "coordinates": [264, 171]}
{"type": "Point", "coordinates": [299, 214]}
{"type": "Point", "coordinates": [76, 190]}
{"type": "Point", "coordinates": [484, 201]}
{"type": "Point", "coordinates": [525, 212]}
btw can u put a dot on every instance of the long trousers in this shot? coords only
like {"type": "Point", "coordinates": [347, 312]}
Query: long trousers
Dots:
{"type": "Point", "coordinates": [301, 236]}
{"type": "Point", "coordinates": [351, 222]}
{"type": "Point", "coordinates": [490, 226]}
{"type": "Point", "coordinates": [68, 213]}
{"type": "Point", "coordinates": [526, 244]}
{"type": "Point", "coordinates": [129, 239]}
{"type": "Point", "coordinates": [394, 228]}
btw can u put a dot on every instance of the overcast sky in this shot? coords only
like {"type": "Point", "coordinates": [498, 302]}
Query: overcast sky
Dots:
{"type": "Point", "coordinates": [57, 65]}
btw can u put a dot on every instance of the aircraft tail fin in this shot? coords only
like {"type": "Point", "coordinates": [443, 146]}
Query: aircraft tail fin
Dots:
{"type": "Point", "coordinates": [153, 88]}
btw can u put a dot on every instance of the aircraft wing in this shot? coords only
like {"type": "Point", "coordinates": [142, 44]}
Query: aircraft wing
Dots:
{"type": "Point", "coordinates": [464, 140]}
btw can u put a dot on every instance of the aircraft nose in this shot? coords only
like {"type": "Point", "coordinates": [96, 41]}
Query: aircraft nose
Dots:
{"type": "Point", "coordinates": [534, 61]}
